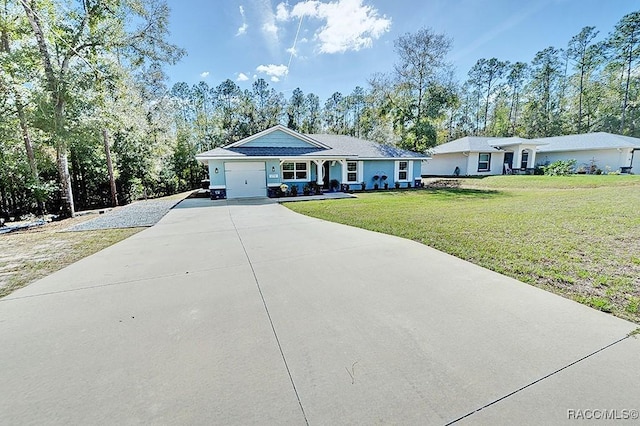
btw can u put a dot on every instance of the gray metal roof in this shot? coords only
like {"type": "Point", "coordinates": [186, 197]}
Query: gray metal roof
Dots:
{"type": "Point", "coordinates": [587, 141]}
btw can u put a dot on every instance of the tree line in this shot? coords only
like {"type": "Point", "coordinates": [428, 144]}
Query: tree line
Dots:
{"type": "Point", "coordinates": [87, 119]}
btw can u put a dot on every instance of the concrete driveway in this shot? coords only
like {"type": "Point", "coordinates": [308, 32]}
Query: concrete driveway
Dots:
{"type": "Point", "coordinates": [227, 313]}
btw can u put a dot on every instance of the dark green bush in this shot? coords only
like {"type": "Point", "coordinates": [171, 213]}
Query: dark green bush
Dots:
{"type": "Point", "coordinates": [560, 168]}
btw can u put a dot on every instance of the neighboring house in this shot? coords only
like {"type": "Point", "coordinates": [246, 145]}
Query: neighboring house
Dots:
{"type": "Point", "coordinates": [604, 151]}
{"type": "Point", "coordinates": [255, 166]}
{"type": "Point", "coordinates": [479, 156]}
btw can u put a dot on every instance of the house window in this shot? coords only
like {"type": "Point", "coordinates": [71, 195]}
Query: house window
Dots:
{"type": "Point", "coordinates": [352, 171]}
{"type": "Point", "coordinates": [403, 170]}
{"type": "Point", "coordinates": [295, 171]}
{"type": "Point", "coordinates": [484, 162]}
{"type": "Point", "coordinates": [525, 159]}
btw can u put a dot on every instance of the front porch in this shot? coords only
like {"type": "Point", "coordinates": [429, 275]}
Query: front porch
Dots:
{"type": "Point", "coordinates": [309, 176]}
{"type": "Point", "coordinates": [519, 160]}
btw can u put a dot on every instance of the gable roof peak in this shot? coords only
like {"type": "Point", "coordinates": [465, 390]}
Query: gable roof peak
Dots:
{"type": "Point", "coordinates": [281, 128]}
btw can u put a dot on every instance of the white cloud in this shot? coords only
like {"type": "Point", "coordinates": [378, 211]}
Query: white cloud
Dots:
{"type": "Point", "coordinates": [270, 29]}
{"type": "Point", "coordinates": [282, 14]}
{"type": "Point", "coordinates": [348, 24]}
{"type": "Point", "coordinates": [268, 24]}
{"type": "Point", "coordinates": [242, 77]}
{"type": "Point", "coordinates": [307, 8]}
{"type": "Point", "coordinates": [274, 71]}
{"type": "Point", "coordinates": [275, 79]}
{"type": "Point", "coordinates": [243, 28]}
{"type": "Point", "coordinates": [204, 74]}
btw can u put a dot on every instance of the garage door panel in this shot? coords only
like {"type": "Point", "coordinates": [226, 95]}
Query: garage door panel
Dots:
{"type": "Point", "coordinates": [246, 179]}
{"type": "Point", "coordinates": [249, 165]}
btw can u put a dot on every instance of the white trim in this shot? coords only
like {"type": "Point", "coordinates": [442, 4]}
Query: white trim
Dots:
{"type": "Point", "coordinates": [488, 169]}
{"type": "Point", "coordinates": [295, 179]}
{"type": "Point", "coordinates": [217, 187]}
{"type": "Point", "coordinates": [345, 175]}
{"type": "Point", "coordinates": [275, 157]}
{"type": "Point", "coordinates": [281, 128]}
{"type": "Point", "coordinates": [409, 171]}
{"type": "Point", "coordinates": [360, 171]}
{"type": "Point", "coordinates": [392, 158]}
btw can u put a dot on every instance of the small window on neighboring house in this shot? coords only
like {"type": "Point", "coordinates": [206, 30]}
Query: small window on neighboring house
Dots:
{"type": "Point", "coordinates": [484, 162]}
{"type": "Point", "coordinates": [525, 159]}
{"type": "Point", "coordinates": [295, 171]}
{"type": "Point", "coordinates": [403, 170]}
{"type": "Point", "coordinates": [352, 171]}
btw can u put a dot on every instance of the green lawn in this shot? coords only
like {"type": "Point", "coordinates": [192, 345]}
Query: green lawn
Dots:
{"type": "Point", "coordinates": [578, 236]}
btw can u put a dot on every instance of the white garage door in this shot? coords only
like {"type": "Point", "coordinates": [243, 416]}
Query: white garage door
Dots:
{"type": "Point", "coordinates": [245, 179]}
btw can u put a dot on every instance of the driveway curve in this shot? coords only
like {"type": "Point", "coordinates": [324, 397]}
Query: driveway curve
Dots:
{"type": "Point", "coordinates": [248, 313]}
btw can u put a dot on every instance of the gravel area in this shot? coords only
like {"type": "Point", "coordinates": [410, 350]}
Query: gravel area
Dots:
{"type": "Point", "coordinates": [140, 213]}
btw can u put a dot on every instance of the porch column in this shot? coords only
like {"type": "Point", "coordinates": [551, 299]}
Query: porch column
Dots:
{"type": "Point", "coordinates": [319, 171]}
{"type": "Point", "coordinates": [532, 158]}
{"type": "Point", "coordinates": [517, 157]}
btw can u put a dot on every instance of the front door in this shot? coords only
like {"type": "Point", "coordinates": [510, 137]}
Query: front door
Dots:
{"type": "Point", "coordinates": [508, 159]}
{"type": "Point", "coordinates": [325, 181]}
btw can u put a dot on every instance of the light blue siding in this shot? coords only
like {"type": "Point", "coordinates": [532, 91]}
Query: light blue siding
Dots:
{"type": "Point", "coordinates": [379, 168]}
{"type": "Point", "coordinates": [274, 173]}
{"type": "Point", "coordinates": [277, 139]}
{"type": "Point", "coordinates": [417, 170]}
{"type": "Point", "coordinates": [335, 172]}
{"type": "Point", "coordinates": [274, 176]}
{"type": "Point", "coordinates": [386, 168]}
{"type": "Point", "coordinates": [216, 179]}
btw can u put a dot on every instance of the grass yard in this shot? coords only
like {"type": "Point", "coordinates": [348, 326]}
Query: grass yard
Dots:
{"type": "Point", "coordinates": [26, 256]}
{"type": "Point", "coordinates": [578, 236]}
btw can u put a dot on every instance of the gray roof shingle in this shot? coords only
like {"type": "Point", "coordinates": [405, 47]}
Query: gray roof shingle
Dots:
{"type": "Point", "coordinates": [363, 148]}
{"type": "Point", "coordinates": [340, 146]}
{"type": "Point", "coordinates": [598, 140]}
{"type": "Point", "coordinates": [466, 144]}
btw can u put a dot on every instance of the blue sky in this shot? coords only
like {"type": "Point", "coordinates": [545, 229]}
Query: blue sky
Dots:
{"type": "Point", "coordinates": [324, 46]}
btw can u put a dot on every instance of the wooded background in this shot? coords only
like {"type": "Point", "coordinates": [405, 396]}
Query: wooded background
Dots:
{"type": "Point", "coordinates": [87, 119]}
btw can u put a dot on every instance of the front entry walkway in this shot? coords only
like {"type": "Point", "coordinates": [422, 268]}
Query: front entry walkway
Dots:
{"type": "Point", "coordinates": [229, 313]}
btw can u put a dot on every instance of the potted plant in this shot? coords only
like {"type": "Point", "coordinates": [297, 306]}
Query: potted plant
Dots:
{"type": "Point", "coordinates": [363, 185]}
{"type": "Point", "coordinates": [317, 188]}
{"type": "Point", "coordinates": [294, 190]}
{"type": "Point", "coordinates": [375, 185]}
{"type": "Point", "coordinates": [334, 185]}
{"type": "Point", "coordinates": [386, 185]}
{"type": "Point", "coordinates": [397, 185]}
{"type": "Point", "coordinates": [306, 189]}
{"type": "Point", "coordinates": [283, 190]}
